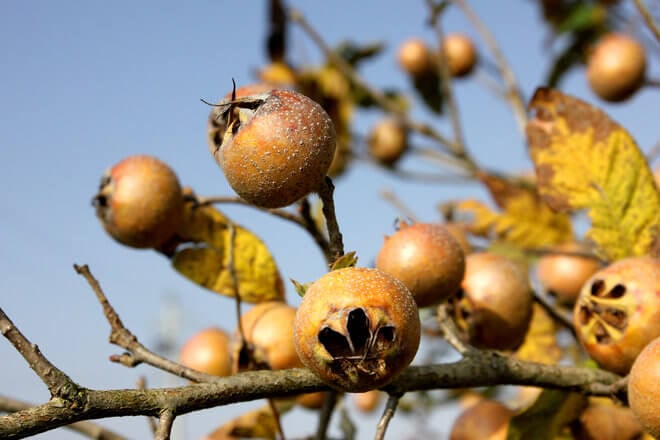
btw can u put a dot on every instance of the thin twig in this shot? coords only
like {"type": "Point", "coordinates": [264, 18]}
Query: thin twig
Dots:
{"type": "Point", "coordinates": [277, 418]}
{"type": "Point", "coordinates": [88, 429]}
{"type": "Point", "coordinates": [400, 205]}
{"type": "Point", "coordinates": [376, 95]}
{"type": "Point", "coordinates": [58, 383]}
{"type": "Point", "coordinates": [564, 317]}
{"type": "Point", "coordinates": [513, 93]}
{"type": "Point", "coordinates": [304, 209]}
{"type": "Point", "coordinates": [325, 414]}
{"type": "Point", "coordinates": [165, 422]}
{"type": "Point", "coordinates": [648, 18]}
{"type": "Point", "coordinates": [234, 282]}
{"type": "Point", "coordinates": [326, 192]}
{"type": "Point", "coordinates": [388, 413]}
{"type": "Point", "coordinates": [450, 332]}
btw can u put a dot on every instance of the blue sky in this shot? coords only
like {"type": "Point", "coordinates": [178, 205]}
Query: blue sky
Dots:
{"type": "Point", "coordinates": [86, 84]}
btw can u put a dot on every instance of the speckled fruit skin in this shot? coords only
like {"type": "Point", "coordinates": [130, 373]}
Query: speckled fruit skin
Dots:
{"type": "Point", "coordinates": [485, 420]}
{"type": "Point", "coordinates": [277, 147]}
{"type": "Point", "coordinates": [616, 67]}
{"type": "Point", "coordinates": [494, 307]}
{"type": "Point", "coordinates": [426, 258]}
{"type": "Point", "coordinates": [208, 351]}
{"type": "Point", "coordinates": [644, 388]}
{"type": "Point", "coordinates": [564, 275]}
{"type": "Point", "coordinates": [618, 312]}
{"type": "Point", "coordinates": [357, 328]}
{"type": "Point", "coordinates": [415, 57]}
{"type": "Point", "coordinates": [140, 202]}
{"type": "Point", "coordinates": [460, 54]}
{"type": "Point", "coordinates": [388, 141]}
{"type": "Point", "coordinates": [268, 328]}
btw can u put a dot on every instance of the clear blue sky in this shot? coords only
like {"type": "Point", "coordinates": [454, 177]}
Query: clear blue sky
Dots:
{"type": "Point", "coordinates": [85, 84]}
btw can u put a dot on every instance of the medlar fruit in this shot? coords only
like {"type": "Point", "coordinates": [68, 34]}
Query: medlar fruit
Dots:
{"type": "Point", "coordinates": [388, 141]}
{"type": "Point", "coordinates": [415, 57]}
{"type": "Point", "coordinates": [644, 388]}
{"type": "Point", "coordinates": [460, 54]}
{"type": "Point", "coordinates": [618, 312]}
{"type": "Point", "coordinates": [357, 328]}
{"type": "Point", "coordinates": [486, 419]}
{"type": "Point", "coordinates": [208, 351]}
{"type": "Point", "coordinates": [426, 258]}
{"type": "Point", "coordinates": [277, 146]}
{"type": "Point", "coordinates": [140, 202]}
{"type": "Point", "coordinates": [493, 308]}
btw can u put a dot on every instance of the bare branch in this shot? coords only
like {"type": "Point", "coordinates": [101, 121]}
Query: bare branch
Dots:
{"type": "Point", "coordinates": [326, 192]}
{"type": "Point", "coordinates": [58, 383]}
{"type": "Point", "coordinates": [325, 414]}
{"type": "Point", "coordinates": [648, 18]}
{"type": "Point", "coordinates": [388, 413]}
{"type": "Point", "coordinates": [165, 421]}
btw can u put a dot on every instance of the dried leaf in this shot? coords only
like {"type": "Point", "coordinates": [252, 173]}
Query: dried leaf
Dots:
{"type": "Point", "coordinates": [584, 160]}
{"type": "Point", "coordinates": [218, 242]}
{"type": "Point", "coordinates": [259, 423]}
{"type": "Point", "coordinates": [525, 220]}
{"type": "Point", "coordinates": [546, 418]}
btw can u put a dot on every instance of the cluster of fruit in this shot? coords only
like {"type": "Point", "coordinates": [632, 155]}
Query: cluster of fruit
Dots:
{"type": "Point", "coordinates": [358, 328]}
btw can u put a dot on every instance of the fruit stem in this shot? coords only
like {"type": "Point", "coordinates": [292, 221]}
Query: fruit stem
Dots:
{"type": "Point", "coordinates": [326, 192]}
{"type": "Point", "coordinates": [390, 409]}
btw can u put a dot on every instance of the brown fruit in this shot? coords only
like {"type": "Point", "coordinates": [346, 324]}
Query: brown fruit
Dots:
{"type": "Point", "coordinates": [208, 351]}
{"type": "Point", "coordinates": [268, 329]}
{"type": "Point", "coordinates": [644, 388]}
{"type": "Point", "coordinates": [607, 422]}
{"type": "Point", "coordinates": [277, 146]}
{"type": "Point", "coordinates": [312, 400]}
{"type": "Point", "coordinates": [618, 312]}
{"type": "Point", "coordinates": [415, 57]}
{"type": "Point", "coordinates": [368, 401]}
{"type": "Point", "coordinates": [617, 67]}
{"type": "Point", "coordinates": [357, 328]}
{"type": "Point", "coordinates": [426, 258]}
{"type": "Point", "coordinates": [140, 202]}
{"type": "Point", "coordinates": [485, 420]}
{"type": "Point", "coordinates": [388, 141]}
{"type": "Point", "coordinates": [564, 275]}
{"type": "Point", "coordinates": [460, 54]}
{"type": "Point", "coordinates": [494, 307]}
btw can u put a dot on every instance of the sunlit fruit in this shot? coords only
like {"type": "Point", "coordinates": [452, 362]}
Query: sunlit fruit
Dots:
{"type": "Point", "coordinates": [644, 388]}
{"type": "Point", "coordinates": [268, 330]}
{"type": "Point", "coordinates": [388, 141]}
{"type": "Point", "coordinates": [564, 275]}
{"type": "Point", "coordinates": [460, 54]}
{"type": "Point", "coordinates": [618, 312]}
{"type": "Point", "coordinates": [208, 351]}
{"type": "Point", "coordinates": [368, 401]}
{"type": "Point", "coordinates": [607, 422]}
{"type": "Point", "coordinates": [493, 308]}
{"type": "Point", "coordinates": [140, 202]}
{"type": "Point", "coordinates": [415, 57]}
{"type": "Point", "coordinates": [426, 258]}
{"type": "Point", "coordinates": [485, 420]}
{"type": "Point", "coordinates": [616, 68]}
{"type": "Point", "coordinates": [277, 146]}
{"type": "Point", "coordinates": [357, 328]}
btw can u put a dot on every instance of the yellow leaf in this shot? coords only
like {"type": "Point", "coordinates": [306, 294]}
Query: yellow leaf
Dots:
{"type": "Point", "coordinates": [584, 160]}
{"type": "Point", "coordinates": [546, 418]}
{"type": "Point", "coordinates": [259, 423]}
{"type": "Point", "coordinates": [540, 343]}
{"type": "Point", "coordinates": [525, 220]}
{"type": "Point", "coordinates": [221, 245]}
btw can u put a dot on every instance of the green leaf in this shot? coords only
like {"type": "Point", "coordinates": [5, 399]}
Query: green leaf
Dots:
{"type": "Point", "coordinates": [349, 259]}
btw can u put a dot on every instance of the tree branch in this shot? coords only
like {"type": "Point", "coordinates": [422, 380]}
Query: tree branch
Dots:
{"type": "Point", "coordinates": [648, 18]}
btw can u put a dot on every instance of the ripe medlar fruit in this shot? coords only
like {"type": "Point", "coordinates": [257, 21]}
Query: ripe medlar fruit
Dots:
{"type": "Point", "coordinates": [415, 57]}
{"type": "Point", "coordinates": [486, 419]}
{"type": "Point", "coordinates": [268, 330]}
{"type": "Point", "coordinates": [277, 146]}
{"type": "Point", "coordinates": [564, 275]}
{"type": "Point", "coordinates": [618, 312]}
{"type": "Point", "coordinates": [606, 421]}
{"type": "Point", "coordinates": [644, 388]}
{"type": "Point", "coordinates": [493, 308]}
{"type": "Point", "coordinates": [460, 54]}
{"type": "Point", "coordinates": [140, 202]}
{"type": "Point", "coordinates": [357, 328]}
{"type": "Point", "coordinates": [368, 401]}
{"type": "Point", "coordinates": [208, 351]}
{"type": "Point", "coordinates": [616, 68]}
{"type": "Point", "coordinates": [388, 141]}
{"type": "Point", "coordinates": [426, 258]}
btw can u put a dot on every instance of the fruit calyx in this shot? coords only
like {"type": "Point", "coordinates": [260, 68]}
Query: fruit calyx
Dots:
{"type": "Point", "coordinates": [356, 343]}
{"type": "Point", "coordinates": [607, 317]}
